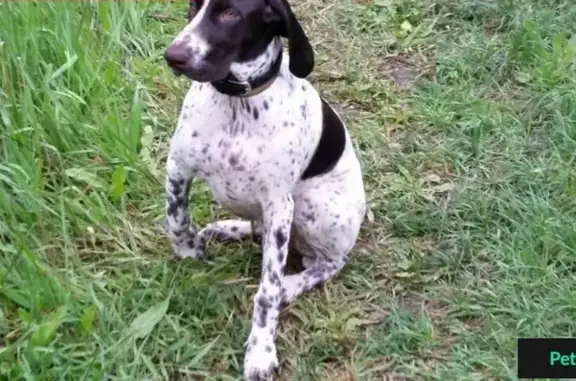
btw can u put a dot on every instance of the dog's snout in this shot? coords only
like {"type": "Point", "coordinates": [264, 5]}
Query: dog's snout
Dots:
{"type": "Point", "coordinates": [177, 54]}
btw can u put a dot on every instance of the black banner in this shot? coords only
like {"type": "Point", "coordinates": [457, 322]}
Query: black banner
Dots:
{"type": "Point", "coordinates": [547, 358]}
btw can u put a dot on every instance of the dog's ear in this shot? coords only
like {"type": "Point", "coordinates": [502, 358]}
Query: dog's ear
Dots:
{"type": "Point", "coordinates": [280, 16]}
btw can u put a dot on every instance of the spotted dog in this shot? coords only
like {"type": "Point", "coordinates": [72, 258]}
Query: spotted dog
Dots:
{"type": "Point", "coordinates": [271, 149]}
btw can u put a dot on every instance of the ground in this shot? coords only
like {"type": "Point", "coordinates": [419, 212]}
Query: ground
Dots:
{"type": "Point", "coordinates": [464, 117]}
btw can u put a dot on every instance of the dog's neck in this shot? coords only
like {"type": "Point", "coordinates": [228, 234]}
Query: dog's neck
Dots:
{"type": "Point", "coordinates": [255, 73]}
{"type": "Point", "coordinates": [255, 67]}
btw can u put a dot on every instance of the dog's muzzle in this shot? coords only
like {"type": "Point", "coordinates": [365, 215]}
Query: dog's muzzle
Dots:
{"type": "Point", "coordinates": [177, 56]}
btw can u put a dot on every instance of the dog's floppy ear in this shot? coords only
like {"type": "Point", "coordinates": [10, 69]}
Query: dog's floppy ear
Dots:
{"type": "Point", "coordinates": [301, 54]}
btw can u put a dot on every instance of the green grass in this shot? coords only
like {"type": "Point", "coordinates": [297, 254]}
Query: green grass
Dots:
{"type": "Point", "coordinates": [463, 113]}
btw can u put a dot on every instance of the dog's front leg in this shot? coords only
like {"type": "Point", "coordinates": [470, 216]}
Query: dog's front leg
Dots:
{"type": "Point", "coordinates": [260, 360]}
{"type": "Point", "coordinates": [179, 227]}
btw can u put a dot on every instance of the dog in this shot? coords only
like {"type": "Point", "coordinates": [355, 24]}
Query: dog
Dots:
{"type": "Point", "coordinates": [272, 151]}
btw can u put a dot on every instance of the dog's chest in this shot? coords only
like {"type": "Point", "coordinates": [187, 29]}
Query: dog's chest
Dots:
{"type": "Point", "coordinates": [234, 169]}
{"type": "Point", "coordinates": [240, 159]}
{"type": "Point", "coordinates": [246, 148]}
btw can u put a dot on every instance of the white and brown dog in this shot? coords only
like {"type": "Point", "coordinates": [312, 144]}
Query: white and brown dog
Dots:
{"type": "Point", "coordinates": [272, 151]}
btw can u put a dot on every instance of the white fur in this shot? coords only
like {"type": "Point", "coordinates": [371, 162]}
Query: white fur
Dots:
{"type": "Point", "coordinates": [253, 168]}
{"type": "Point", "coordinates": [192, 37]}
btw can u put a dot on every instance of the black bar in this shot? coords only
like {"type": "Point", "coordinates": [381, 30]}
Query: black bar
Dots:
{"type": "Point", "coordinates": [547, 358]}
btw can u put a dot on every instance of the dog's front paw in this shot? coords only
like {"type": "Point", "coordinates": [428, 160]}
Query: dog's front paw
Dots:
{"type": "Point", "coordinates": [190, 252]}
{"type": "Point", "coordinates": [189, 248]}
{"type": "Point", "coordinates": [260, 363]}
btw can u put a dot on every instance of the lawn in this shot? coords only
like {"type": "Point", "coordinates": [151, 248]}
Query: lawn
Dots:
{"type": "Point", "coordinates": [464, 116]}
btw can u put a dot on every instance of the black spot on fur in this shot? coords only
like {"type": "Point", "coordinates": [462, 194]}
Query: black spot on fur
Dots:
{"type": "Point", "coordinates": [318, 272]}
{"type": "Point", "coordinates": [265, 104]}
{"type": "Point", "coordinates": [264, 306]}
{"type": "Point", "coordinates": [251, 178]}
{"type": "Point", "coordinates": [177, 196]}
{"type": "Point", "coordinates": [268, 348]}
{"type": "Point", "coordinates": [309, 217]}
{"type": "Point", "coordinates": [280, 238]}
{"type": "Point", "coordinates": [172, 209]}
{"type": "Point", "coordinates": [255, 113]}
{"type": "Point", "coordinates": [269, 266]}
{"type": "Point", "coordinates": [219, 235]}
{"type": "Point", "coordinates": [194, 134]}
{"type": "Point", "coordinates": [331, 144]}
{"type": "Point", "coordinates": [233, 160]}
{"type": "Point", "coordinates": [176, 186]}
{"type": "Point", "coordinates": [234, 113]}
{"type": "Point", "coordinates": [273, 277]}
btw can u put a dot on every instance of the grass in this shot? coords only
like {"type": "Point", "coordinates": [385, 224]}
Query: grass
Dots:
{"type": "Point", "coordinates": [463, 113]}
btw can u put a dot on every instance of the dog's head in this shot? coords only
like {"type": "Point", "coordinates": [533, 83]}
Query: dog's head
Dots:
{"type": "Point", "coordinates": [221, 32]}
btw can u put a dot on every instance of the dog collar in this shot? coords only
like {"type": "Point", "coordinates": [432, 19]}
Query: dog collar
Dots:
{"type": "Point", "coordinates": [233, 87]}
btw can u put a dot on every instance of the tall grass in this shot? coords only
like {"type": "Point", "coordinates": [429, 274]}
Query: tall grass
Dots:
{"type": "Point", "coordinates": [71, 119]}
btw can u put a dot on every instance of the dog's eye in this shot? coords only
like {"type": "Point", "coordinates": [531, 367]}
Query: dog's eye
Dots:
{"type": "Point", "coordinates": [229, 15]}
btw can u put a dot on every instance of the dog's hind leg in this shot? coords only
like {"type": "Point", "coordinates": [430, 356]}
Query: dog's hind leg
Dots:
{"type": "Point", "coordinates": [327, 220]}
{"type": "Point", "coordinates": [229, 231]}
{"type": "Point", "coordinates": [318, 272]}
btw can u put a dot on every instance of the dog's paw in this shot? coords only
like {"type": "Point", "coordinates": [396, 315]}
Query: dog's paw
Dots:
{"type": "Point", "coordinates": [190, 248]}
{"type": "Point", "coordinates": [260, 363]}
{"type": "Point", "coordinates": [190, 252]}
{"type": "Point", "coordinates": [186, 244]}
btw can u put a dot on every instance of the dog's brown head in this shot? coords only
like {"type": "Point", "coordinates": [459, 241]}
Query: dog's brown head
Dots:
{"type": "Point", "coordinates": [221, 32]}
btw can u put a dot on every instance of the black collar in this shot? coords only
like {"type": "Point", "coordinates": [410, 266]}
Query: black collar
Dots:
{"type": "Point", "coordinates": [233, 87]}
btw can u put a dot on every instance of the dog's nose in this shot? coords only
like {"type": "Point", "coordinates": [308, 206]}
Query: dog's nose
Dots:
{"type": "Point", "coordinates": [177, 54]}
